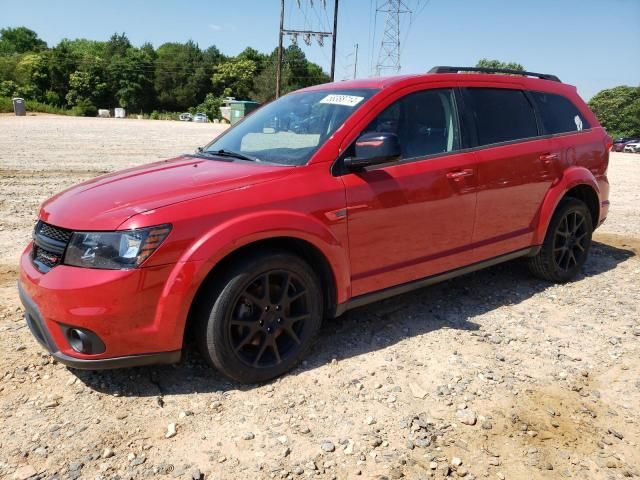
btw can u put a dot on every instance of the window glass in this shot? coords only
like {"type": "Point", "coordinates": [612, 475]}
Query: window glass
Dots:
{"type": "Point", "coordinates": [425, 123]}
{"type": "Point", "coordinates": [291, 129]}
{"type": "Point", "coordinates": [558, 114]}
{"type": "Point", "coordinates": [501, 115]}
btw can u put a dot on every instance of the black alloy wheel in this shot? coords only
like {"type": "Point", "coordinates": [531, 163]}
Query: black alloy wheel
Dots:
{"type": "Point", "coordinates": [566, 244]}
{"type": "Point", "coordinates": [259, 318]}
{"type": "Point", "coordinates": [570, 241]}
{"type": "Point", "coordinates": [269, 318]}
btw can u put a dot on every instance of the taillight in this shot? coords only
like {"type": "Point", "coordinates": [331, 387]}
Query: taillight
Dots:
{"type": "Point", "coordinates": [608, 142]}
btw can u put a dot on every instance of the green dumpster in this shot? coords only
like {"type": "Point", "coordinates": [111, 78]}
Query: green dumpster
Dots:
{"type": "Point", "coordinates": [241, 108]}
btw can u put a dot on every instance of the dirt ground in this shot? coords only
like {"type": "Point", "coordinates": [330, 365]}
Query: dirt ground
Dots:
{"type": "Point", "coordinates": [493, 375]}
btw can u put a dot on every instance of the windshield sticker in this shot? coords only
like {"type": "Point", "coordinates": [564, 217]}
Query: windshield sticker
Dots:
{"type": "Point", "coordinates": [578, 121]}
{"type": "Point", "coordinates": [345, 100]}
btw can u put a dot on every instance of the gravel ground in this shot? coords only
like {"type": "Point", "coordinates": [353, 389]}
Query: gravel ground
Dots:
{"type": "Point", "coordinates": [491, 375]}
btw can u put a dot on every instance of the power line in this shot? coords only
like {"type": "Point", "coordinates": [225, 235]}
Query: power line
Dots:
{"type": "Point", "coordinates": [307, 34]}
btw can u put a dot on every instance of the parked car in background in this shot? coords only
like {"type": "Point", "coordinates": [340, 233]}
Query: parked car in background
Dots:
{"type": "Point", "coordinates": [201, 118]}
{"type": "Point", "coordinates": [256, 238]}
{"type": "Point", "coordinates": [185, 117]}
{"type": "Point", "coordinates": [619, 143]}
{"type": "Point", "coordinates": [632, 147]}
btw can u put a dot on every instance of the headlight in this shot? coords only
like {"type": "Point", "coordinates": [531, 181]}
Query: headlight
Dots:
{"type": "Point", "coordinates": [114, 250]}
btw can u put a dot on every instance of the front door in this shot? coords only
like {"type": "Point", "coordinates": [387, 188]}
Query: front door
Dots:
{"type": "Point", "coordinates": [412, 218]}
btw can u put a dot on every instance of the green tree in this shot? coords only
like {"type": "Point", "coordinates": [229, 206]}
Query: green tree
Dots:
{"type": "Point", "coordinates": [234, 78]}
{"type": "Point", "coordinates": [489, 63]}
{"type": "Point", "coordinates": [181, 76]}
{"type": "Point", "coordinates": [87, 87]}
{"type": "Point", "coordinates": [618, 110]}
{"type": "Point", "coordinates": [20, 40]}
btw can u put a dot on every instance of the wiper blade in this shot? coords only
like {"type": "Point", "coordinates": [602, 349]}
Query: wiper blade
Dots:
{"type": "Point", "coordinates": [228, 153]}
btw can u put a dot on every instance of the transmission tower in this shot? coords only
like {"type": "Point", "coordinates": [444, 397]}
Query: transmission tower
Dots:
{"type": "Point", "coordinates": [389, 53]}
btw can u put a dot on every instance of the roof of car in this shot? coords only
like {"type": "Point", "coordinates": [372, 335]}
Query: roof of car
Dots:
{"type": "Point", "coordinates": [475, 78]}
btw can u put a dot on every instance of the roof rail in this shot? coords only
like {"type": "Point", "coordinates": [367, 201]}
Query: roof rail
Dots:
{"type": "Point", "coordinates": [543, 76]}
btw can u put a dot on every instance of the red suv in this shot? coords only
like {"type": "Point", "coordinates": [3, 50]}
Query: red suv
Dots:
{"type": "Point", "coordinates": [324, 200]}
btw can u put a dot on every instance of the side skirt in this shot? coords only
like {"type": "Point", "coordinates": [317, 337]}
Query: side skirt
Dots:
{"type": "Point", "coordinates": [368, 298]}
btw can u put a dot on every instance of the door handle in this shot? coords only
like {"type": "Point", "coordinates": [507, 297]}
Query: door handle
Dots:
{"type": "Point", "coordinates": [467, 172]}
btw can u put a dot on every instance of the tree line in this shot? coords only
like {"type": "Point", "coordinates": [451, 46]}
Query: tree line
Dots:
{"type": "Point", "coordinates": [84, 75]}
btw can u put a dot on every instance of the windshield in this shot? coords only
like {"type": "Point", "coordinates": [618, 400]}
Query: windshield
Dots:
{"type": "Point", "coordinates": [289, 130]}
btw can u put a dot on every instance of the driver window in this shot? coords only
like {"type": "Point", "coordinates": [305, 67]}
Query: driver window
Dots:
{"type": "Point", "coordinates": [425, 123]}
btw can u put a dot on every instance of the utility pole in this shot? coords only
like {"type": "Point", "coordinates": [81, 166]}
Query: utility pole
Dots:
{"type": "Point", "coordinates": [307, 35]}
{"type": "Point", "coordinates": [389, 54]}
{"type": "Point", "coordinates": [355, 64]}
{"type": "Point", "coordinates": [334, 36]}
{"type": "Point", "coordinates": [279, 67]}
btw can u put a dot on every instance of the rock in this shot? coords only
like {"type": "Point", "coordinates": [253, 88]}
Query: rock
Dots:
{"type": "Point", "coordinates": [468, 417]}
{"type": "Point", "coordinates": [171, 431]}
{"type": "Point", "coordinates": [370, 420]}
{"type": "Point", "coordinates": [282, 439]}
{"type": "Point", "coordinates": [298, 470]}
{"type": "Point", "coordinates": [456, 462]}
{"type": "Point", "coordinates": [487, 425]}
{"type": "Point", "coordinates": [24, 472]}
{"type": "Point", "coordinates": [417, 391]}
{"type": "Point", "coordinates": [328, 446]}
{"type": "Point", "coordinates": [75, 466]}
{"type": "Point", "coordinates": [248, 436]}
{"type": "Point", "coordinates": [500, 475]}
{"type": "Point", "coordinates": [348, 449]}
{"type": "Point", "coordinates": [616, 434]}
{"type": "Point", "coordinates": [195, 474]}
{"type": "Point", "coordinates": [185, 413]}
{"type": "Point", "coordinates": [433, 465]}
{"type": "Point", "coordinates": [107, 453]}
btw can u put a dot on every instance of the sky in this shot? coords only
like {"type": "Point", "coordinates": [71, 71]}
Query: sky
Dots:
{"type": "Point", "coordinates": [587, 43]}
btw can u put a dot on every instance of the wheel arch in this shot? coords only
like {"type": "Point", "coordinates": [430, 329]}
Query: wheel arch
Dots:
{"type": "Point", "coordinates": [306, 250]}
{"type": "Point", "coordinates": [577, 182]}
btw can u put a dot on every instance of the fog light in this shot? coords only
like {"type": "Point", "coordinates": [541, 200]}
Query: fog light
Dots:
{"type": "Point", "coordinates": [84, 341]}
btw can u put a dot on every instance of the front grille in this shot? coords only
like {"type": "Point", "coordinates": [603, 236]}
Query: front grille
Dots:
{"type": "Point", "coordinates": [50, 242]}
{"type": "Point", "coordinates": [52, 232]}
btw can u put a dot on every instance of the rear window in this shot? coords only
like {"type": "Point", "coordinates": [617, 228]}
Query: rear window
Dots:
{"type": "Point", "coordinates": [501, 115]}
{"type": "Point", "coordinates": [558, 113]}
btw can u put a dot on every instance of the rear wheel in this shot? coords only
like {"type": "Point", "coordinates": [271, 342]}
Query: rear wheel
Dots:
{"type": "Point", "coordinates": [566, 244]}
{"type": "Point", "coordinates": [261, 317]}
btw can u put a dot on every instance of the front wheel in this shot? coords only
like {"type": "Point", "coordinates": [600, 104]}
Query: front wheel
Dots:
{"type": "Point", "coordinates": [566, 244]}
{"type": "Point", "coordinates": [260, 317]}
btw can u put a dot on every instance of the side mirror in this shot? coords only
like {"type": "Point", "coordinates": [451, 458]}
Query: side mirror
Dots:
{"type": "Point", "coordinates": [374, 148]}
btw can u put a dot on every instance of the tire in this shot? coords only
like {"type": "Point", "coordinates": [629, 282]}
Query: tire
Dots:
{"type": "Point", "coordinates": [252, 336]}
{"type": "Point", "coordinates": [567, 243]}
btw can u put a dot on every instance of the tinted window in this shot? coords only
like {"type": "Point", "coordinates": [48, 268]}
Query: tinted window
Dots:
{"type": "Point", "coordinates": [558, 114]}
{"type": "Point", "coordinates": [425, 123]}
{"type": "Point", "coordinates": [291, 129]}
{"type": "Point", "coordinates": [501, 115]}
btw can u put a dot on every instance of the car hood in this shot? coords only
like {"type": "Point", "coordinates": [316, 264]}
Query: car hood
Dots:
{"type": "Point", "coordinates": [103, 203]}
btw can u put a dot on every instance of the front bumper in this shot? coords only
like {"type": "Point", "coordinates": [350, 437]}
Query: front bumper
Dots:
{"type": "Point", "coordinates": [119, 307]}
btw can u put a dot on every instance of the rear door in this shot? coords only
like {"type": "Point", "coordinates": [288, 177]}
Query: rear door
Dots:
{"type": "Point", "coordinates": [515, 165]}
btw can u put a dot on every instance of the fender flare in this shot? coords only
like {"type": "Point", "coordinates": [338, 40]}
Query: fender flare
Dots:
{"type": "Point", "coordinates": [203, 255]}
{"type": "Point", "coordinates": [571, 178]}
